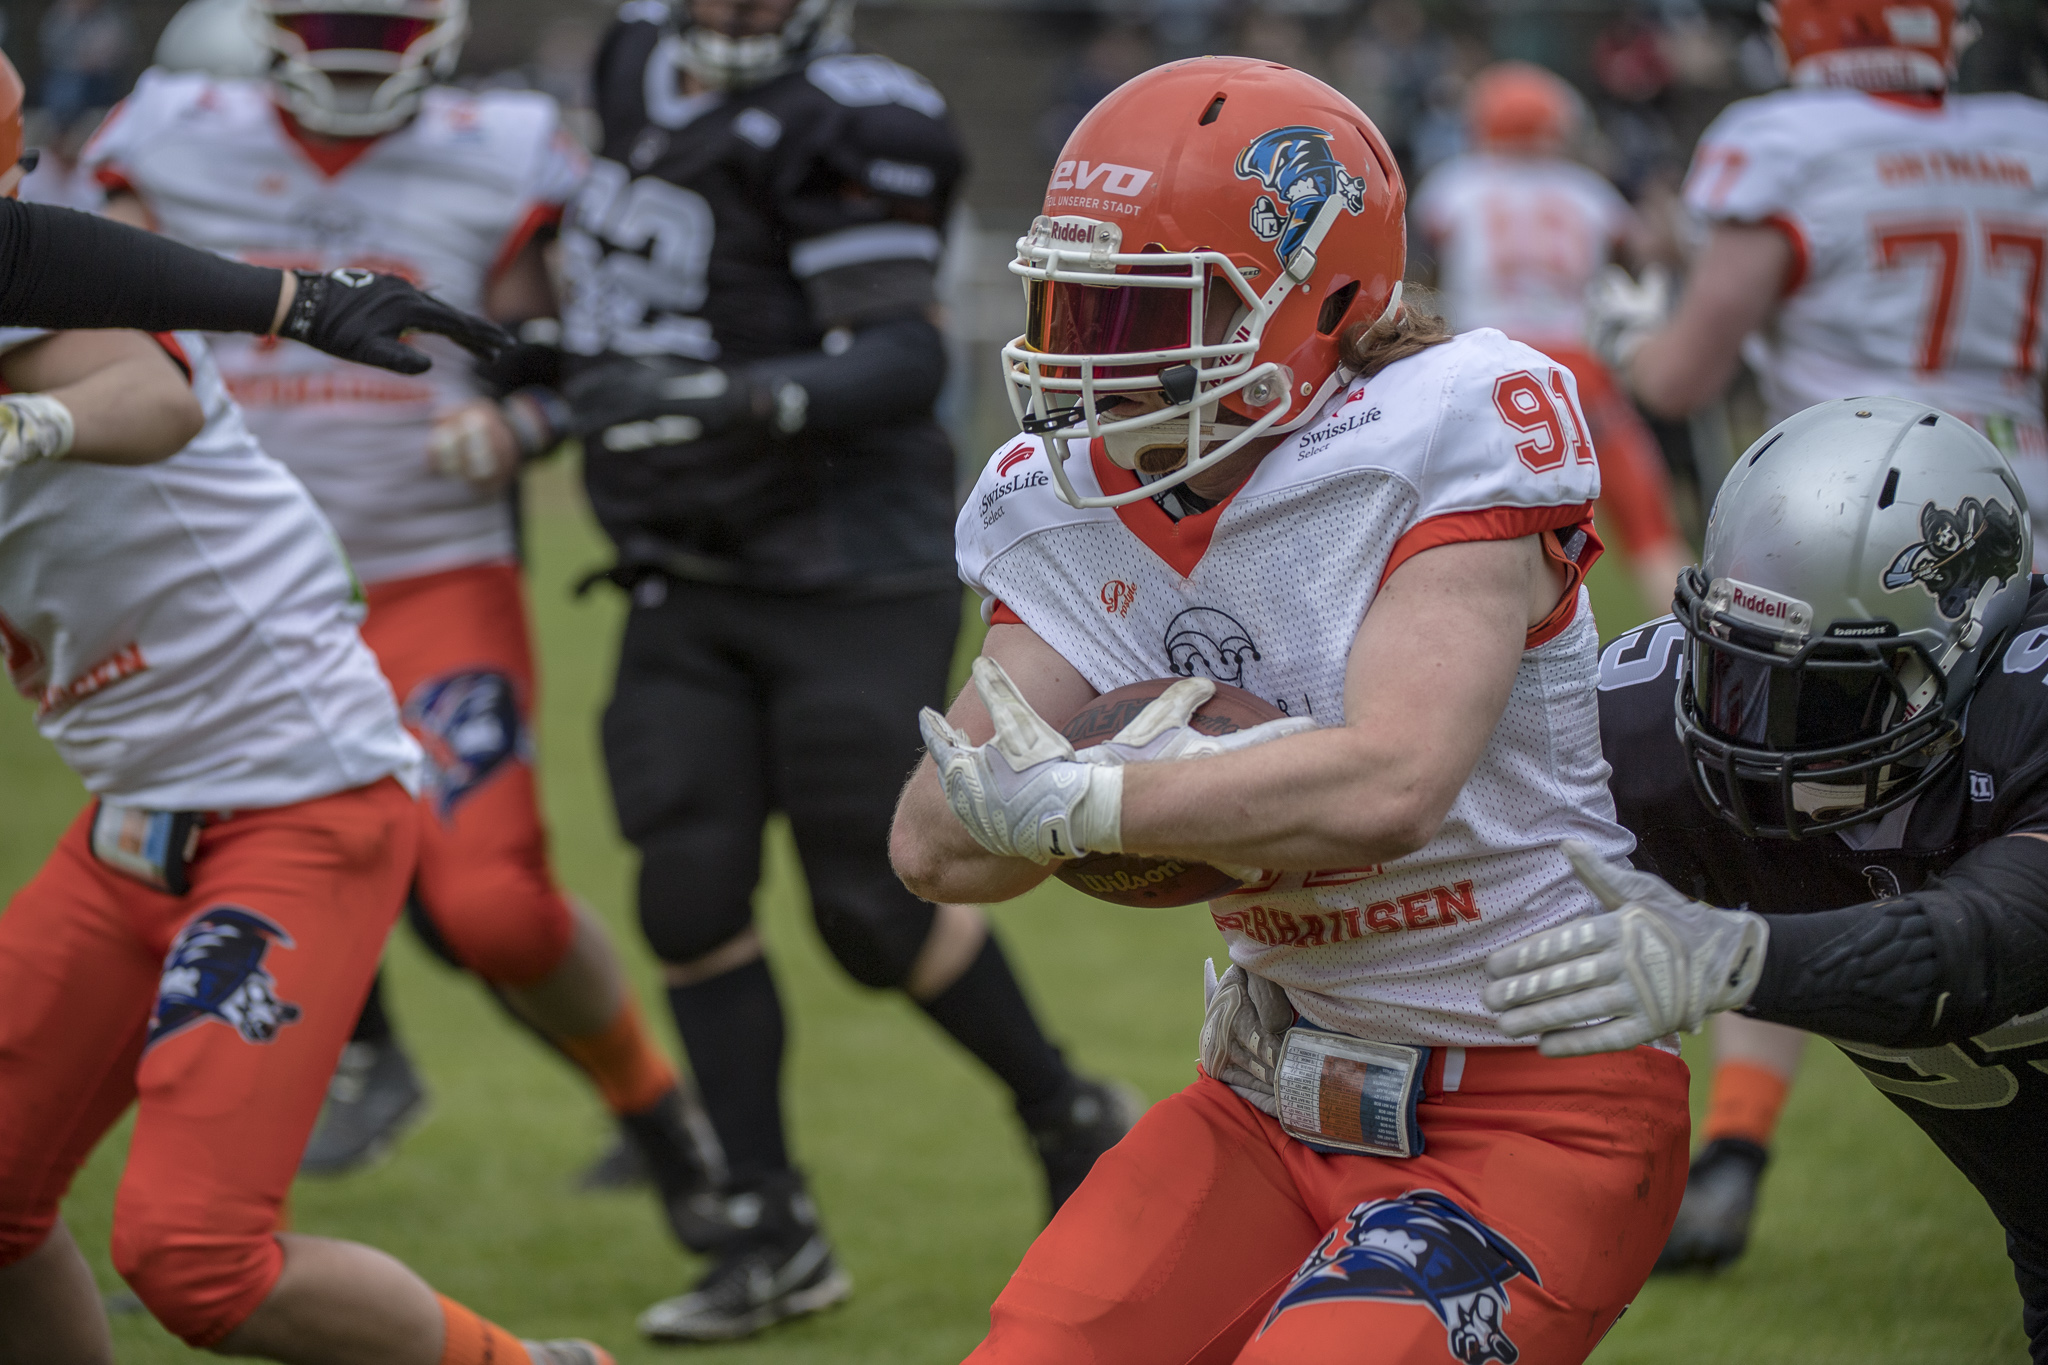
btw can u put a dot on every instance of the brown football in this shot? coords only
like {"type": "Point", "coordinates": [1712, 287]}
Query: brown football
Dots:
{"type": "Point", "coordinates": [1120, 878]}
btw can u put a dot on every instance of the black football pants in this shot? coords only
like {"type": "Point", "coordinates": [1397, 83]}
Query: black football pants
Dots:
{"type": "Point", "coordinates": [731, 704]}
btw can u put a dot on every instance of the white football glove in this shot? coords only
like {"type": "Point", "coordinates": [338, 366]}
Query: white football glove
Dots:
{"type": "Point", "coordinates": [1622, 312]}
{"type": "Point", "coordinates": [1162, 730]}
{"type": "Point", "coordinates": [1244, 1022]}
{"type": "Point", "coordinates": [1024, 794]}
{"type": "Point", "coordinates": [473, 443]}
{"type": "Point", "coordinates": [1658, 961]}
{"type": "Point", "coordinates": [33, 426]}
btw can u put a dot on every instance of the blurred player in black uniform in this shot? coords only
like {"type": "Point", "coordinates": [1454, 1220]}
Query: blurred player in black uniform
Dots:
{"type": "Point", "coordinates": [752, 362]}
{"type": "Point", "coordinates": [1861, 763]}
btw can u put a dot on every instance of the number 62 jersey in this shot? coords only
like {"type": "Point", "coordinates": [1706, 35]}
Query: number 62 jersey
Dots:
{"type": "Point", "coordinates": [1983, 1101]}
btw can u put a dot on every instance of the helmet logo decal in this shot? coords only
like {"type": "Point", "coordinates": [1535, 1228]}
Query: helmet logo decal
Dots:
{"type": "Point", "coordinates": [1958, 552]}
{"type": "Point", "coordinates": [1299, 167]}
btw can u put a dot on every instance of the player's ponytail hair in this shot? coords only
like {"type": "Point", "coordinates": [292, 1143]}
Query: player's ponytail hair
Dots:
{"type": "Point", "coordinates": [1370, 347]}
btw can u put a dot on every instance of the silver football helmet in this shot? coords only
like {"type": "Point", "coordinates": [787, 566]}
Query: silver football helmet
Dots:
{"type": "Point", "coordinates": [357, 68]}
{"type": "Point", "coordinates": [1862, 561]}
{"type": "Point", "coordinates": [725, 62]}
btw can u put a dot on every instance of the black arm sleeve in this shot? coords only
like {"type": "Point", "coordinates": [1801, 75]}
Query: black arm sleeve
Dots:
{"type": "Point", "coordinates": [891, 373]}
{"type": "Point", "coordinates": [64, 269]}
{"type": "Point", "coordinates": [1962, 955]}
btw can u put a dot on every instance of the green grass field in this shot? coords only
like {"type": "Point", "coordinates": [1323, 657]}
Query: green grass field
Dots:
{"type": "Point", "coordinates": [1870, 1249]}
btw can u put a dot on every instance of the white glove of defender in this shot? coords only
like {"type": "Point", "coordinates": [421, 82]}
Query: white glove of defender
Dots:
{"type": "Point", "coordinates": [1658, 961]}
{"type": "Point", "coordinates": [33, 426]}
{"type": "Point", "coordinates": [1622, 312]}
{"type": "Point", "coordinates": [1024, 794]}
{"type": "Point", "coordinates": [1162, 730]}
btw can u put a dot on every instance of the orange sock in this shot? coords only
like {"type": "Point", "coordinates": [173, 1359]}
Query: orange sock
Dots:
{"type": "Point", "coordinates": [629, 1069]}
{"type": "Point", "coordinates": [1746, 1102]}
{"type": "Point", "coordinates": [471, 1340]}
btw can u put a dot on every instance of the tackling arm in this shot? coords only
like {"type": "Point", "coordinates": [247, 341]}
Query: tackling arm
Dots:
{"type": "Point", "coordinates": [1962, 955]}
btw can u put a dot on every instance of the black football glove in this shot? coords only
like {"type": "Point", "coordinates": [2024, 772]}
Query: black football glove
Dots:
{"type": "Point", "coordinates": [359, 315]}
{"type": "Point", "coordinates": [627, 406]}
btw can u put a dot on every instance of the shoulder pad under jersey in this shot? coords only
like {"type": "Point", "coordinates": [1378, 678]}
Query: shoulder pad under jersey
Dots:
{"type": "Point", "coordinates": [1476, 425]}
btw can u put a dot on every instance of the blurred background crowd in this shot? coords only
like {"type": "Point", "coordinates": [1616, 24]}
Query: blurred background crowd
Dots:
{"type": "Point", "coordinates": [1020, 74]}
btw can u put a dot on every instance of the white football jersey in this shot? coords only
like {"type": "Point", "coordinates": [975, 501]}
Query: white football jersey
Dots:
{"type": "Point", "coordinates": [1517, 240]}
{"type": "Point", "coordinates": [1479, 438]}
{"type": "Point", "coordinates": [187, 629]}
{"type": "Point", "coordinates": [1920, 237]}
{"type": "Point", "coordinates": [444, 201]}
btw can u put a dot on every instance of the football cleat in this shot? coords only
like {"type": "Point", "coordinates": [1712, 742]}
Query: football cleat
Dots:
{"type": "Point", "coordinates": [778, 1265]}
{"type": "Point", "coordinates": [1720, 1199]}
{"type": "Point", "coordinates": [374, 1098]}
{"type": "Point", "coordinates": [619, 1167]}
{"type": "Point", "coordinates": [678, 1150]}
{"type": "Point", "coordinates": [1087, 1120]}
{"type": "Point", "coordinates": [567, 1352]}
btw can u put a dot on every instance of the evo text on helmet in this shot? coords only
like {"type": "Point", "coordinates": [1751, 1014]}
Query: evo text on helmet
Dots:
{"type": "Point", "coordinates": [1212, 231]}
{"type": "Point", "coordinates": [1863, 560]}
{"type": "Point", "coordinates": [358, 68]}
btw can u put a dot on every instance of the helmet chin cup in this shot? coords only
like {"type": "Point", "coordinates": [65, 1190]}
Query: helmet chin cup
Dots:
{"type": "Point", "coordinates": [722, 61]}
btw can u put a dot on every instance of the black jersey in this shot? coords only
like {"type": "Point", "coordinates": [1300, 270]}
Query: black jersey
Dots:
{"type": "Point", "coordinates": [1984, 1101]}
{"type": "Point", "coordinates": [710, 229]}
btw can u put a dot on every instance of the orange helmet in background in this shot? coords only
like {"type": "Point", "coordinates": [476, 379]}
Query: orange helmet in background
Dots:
{"type": "Point", "coordinates": [1520, 107]}
{"type": "Point", "coordinates": [12, 94]}
{"type": "Point", "coordinates": [1211, 230]}
{"type": "Point", "coordinates": [1866, 44]}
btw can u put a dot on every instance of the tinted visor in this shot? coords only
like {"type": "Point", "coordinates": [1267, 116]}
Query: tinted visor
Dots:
{"type": "Point", "coordinates": [1094, 319]}
{"type": "Point", "coordinates": [356, 32]}
{"type": "Point", "coordinates": [1822, 702]}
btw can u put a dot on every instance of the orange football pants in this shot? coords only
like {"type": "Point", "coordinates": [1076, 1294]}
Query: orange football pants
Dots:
{"type": "Point", "coordinates": [279, 936]}
{"type": "Point", "coordinates": [1635, 487]}
{"type": "Point", "coordinates": [1208, 1235]}
{"type": "Point", "coordinates": [457, 652]}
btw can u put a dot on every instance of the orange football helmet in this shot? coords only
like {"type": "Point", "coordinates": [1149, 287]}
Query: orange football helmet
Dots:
{"type": "Point", "coordinates": [1211, 230]}
{"type": "Point", "coordinates": [12, 94]}
{"type": "Point", "coordinates": [1520, 107]}
{"type": "Point", "coordinates": [1867, 44]}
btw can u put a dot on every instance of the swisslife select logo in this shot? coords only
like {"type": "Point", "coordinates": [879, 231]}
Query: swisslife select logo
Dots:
{"type": "Point", "coordinates": [1010, 478]}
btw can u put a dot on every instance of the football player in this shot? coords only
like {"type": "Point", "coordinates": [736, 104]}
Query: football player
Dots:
{"type": "Point", "coordinates": [1519, 230]}
{"type": "Point", "coordinates": [349, 155]}
{"type": "Point", "coordinates": [1869, 233]}
{"type": "Point", "coordinates": [1233, 418]}
{"type": "Point", "coordinates": [750, 297]}
{"type": "Point", "coordinates": [1865, 716]}
{"type": "Point", "coordinates": [199, 943]}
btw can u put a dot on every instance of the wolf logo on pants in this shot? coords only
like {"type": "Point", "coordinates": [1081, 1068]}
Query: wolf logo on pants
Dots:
{"type": "Point", "coordinates": [1420, 1248]}
{"type": "Point", "coordinates": [215, 971]}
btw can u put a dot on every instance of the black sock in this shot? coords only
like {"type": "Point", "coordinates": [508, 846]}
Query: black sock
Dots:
{"type": "Point", "coordinates": [373, 1025]}
{"type": "Point", "coordinates": [731, 1028]}
{"type": "Point", "coordinates": [985, 1011]}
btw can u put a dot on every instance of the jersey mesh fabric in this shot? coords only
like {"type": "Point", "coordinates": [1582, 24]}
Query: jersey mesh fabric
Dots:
{"type": "Point", "coordinates": [441, 201]}
{"type": "Point", "coordinates": [188, 628]}
{"type": "Point", "coordinates": [1273, 604]}
{"type": "Point", "coordinates": [1919, 236]}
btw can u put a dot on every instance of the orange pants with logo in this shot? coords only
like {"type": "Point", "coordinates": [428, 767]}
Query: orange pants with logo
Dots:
{"type": "Point", "coordinates": [1635, 487]}
{"type": "Point", "coordinates": [220, 1014]}
{"type": "Point", "coordinates": [1208, 1235]}
{"type": "Point", "coordinates": [456, 650]}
